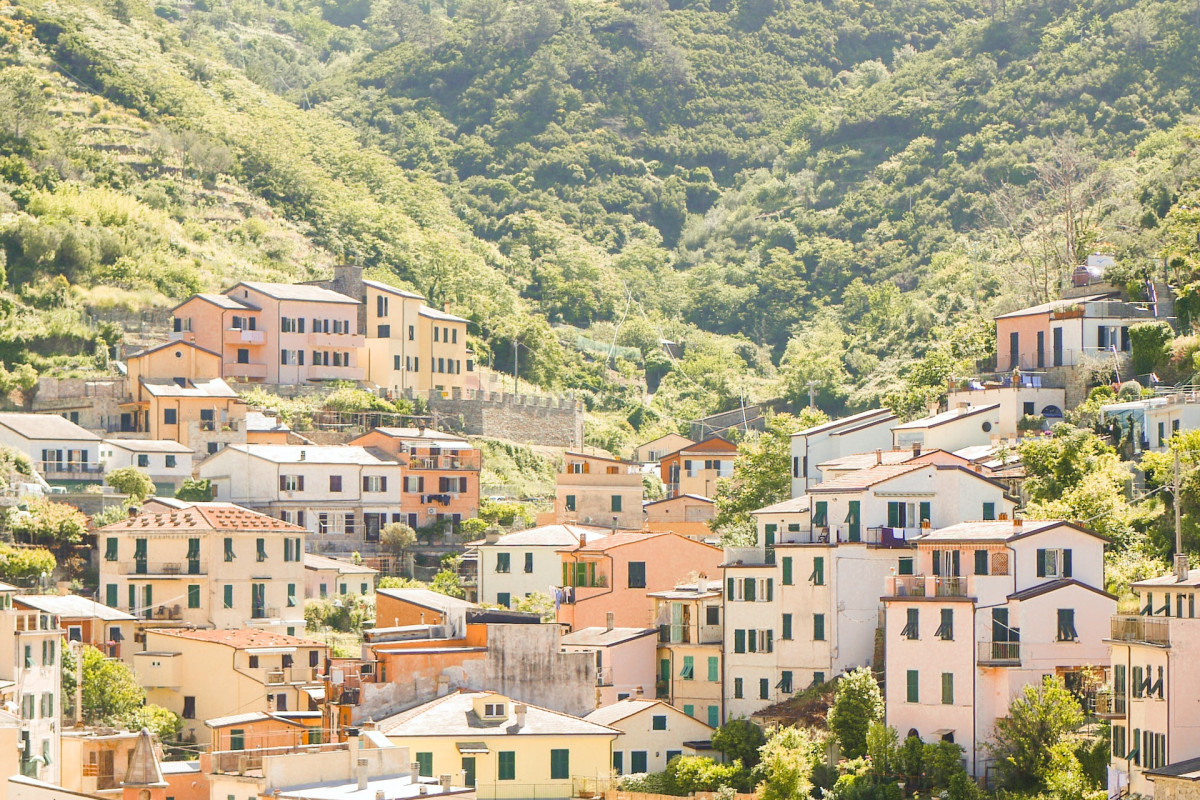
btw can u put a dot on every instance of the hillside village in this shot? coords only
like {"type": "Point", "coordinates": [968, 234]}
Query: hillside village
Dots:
{"type": "Point", "coordinates": [253, 590]}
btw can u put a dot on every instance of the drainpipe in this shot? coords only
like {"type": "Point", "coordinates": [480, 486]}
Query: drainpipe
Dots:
{"type": "Point", "coordinates": [975, 666]}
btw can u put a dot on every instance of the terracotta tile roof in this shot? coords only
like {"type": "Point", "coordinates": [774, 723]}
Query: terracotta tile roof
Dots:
{"type": "Point", "coordinates": [617, 540]}
{"type": "Point", "coordinates": [201, 518]}
{"type": "Point", "coordinates": [239, 639]}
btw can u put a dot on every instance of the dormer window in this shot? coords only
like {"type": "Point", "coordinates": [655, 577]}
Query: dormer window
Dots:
{"type": "Point", "coordinates": [494, 710]}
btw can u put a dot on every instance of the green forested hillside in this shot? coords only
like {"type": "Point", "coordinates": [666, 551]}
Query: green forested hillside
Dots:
{"type": "Point", "coordinates": [838, 192]}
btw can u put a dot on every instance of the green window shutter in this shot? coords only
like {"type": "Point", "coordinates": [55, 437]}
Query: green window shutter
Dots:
{"type": "Point", "coordinates": [752, 641]}
{"type": "Point", "coordinates": [689, 668]}
{"type": "Point", "coordinates": [506, 765]}
{"type": "Point", "coordinates": [820, 518]}
{"type": "Point", "coordinates": [560, 764]}
{"type": "Point", "coordinates": [110, 548]}
{"type": "Point", "coordinates": [291, 595]}
{"type": "Point", "coordinates": [1041, 563]}
{"type": "Point", "coordinates": [193, 591]}
{"type": "Point", "coordinates": [914, 695]}
{"type": "Point", "coordinates": [748, 590]}
{"type": "Point", "coordinates": [689, 709]}
{"type": "Point", "coordinates": [937, 562]}
{"type": "Point", "coordinates": [852, 519]}
{"type": "Point", "coordinates": [925, 515]}
{"type": "Point", "coordinates": [769, 535]}
{"type": "Point", "coordinates": [714, 669]}
{"type": "Point", "coordinates": [947, 688]}
{"type": "Point", "coordinates": [229, 549]}
{"type": "Point", "coordinates": [714, 716]}
{"type": "Point", "coordinates": [818, 627]}
{"type": "Point", "coordinates": [229, 595]}
{"type": "Point", "coordinates": [981, 562]}
{"type": "Point", "coordinates": [664, 669]}
{"type": "Point", "coordinates": [1066, 563]}
{"type": "Point", "coordinates": [262, 549]}
{"type": "Point", "coordinates": [905, 566]}
{"type": "Point", "coordinates": [637, 762]}
{"type": "Point", "coordinates": [787, 627]}
{"type": "Point", "coordinates": [618, 763]}
{"type": "Point", "coordinates": [739, 641]}
{"type": "Point", "coordinates": [787, 571]}
{"type": "Point", "coordinates": [658, 722]}
{"type": "Point", "coordinates": [893, 514]}
{"type": "Point", "coordinates": [770, 589]}
{"type": "Point", "coordinates": [110, 595]}
{"type": "Point", "coordinates": [989, 511]}
{"type": "Point", "coordinates": [818, 573]}
{"type": "Point", "coordinates": [425, 760]}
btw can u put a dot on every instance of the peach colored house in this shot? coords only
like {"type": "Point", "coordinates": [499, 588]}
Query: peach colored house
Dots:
{"type": "Point", "coordinates": [277, 332]}
{"type": "Point", "coordinates": [696, 468]}
{"type": "Point", "coordinates": [597, 490]}
{"type": "Point", "coordinates": [400, 607]}
{"type": "Point", "coordinates": [624, 660]}
{"type": "Point", "coordinates": [685, 513]}
{"type": "Point", "coordinates": [441, 478]}
{"type": "Point", "coordinates": [617, 573]}
{"type": "Point", "coordinates": [254, 730]}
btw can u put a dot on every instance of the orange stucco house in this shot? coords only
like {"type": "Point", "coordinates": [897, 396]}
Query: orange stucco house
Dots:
{"type": "Point", "coordinates": [277, 332]}
{"type": "Point", "coordinates": [441, 472]}
{"type": "Point", "coordinates": [696, 468]}
{"type": "Point", "coordinates": [616, 574]}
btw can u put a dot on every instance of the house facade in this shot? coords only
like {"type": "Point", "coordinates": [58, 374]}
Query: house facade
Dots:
{"type": "Point", "coordinates": [653, 732]}
{"type": "Point", "coordinates": [341, 495]}
{"type": "Point", "coordinates": [696, 468]}
{"type": "Point", "coordinates": [617, 573]}
{"type": "Point", "coordinates": [1151, 422]}
{"type": "Point", "coordinates": [990, 608]}
{"type": "Point", "coordinates": [206, 674]}
{"type": "Point", "coordinates": [1154, 656]}
{"type": "Point", "coordinates": [167, 462]}
{"type": "Point", "coordinates": [624, 659]}
{"type": "Point", "coordinates": [858, 433]}
{"type": "Point", "coordinates": [109, 630]}
{"type": "Point", "coordinates": [961, 426]}
{"type": "Point", "coordinates": [517, 564]}
{"type": "Point", "coordinates": [596, 490]}
{"type": "Point", "coordinates": [690, 644]}
{"type": "Point", "coordinates": [652, 451]}
{"type": "Point", "coordinates": [32, 684]}
{"type": "Point", "coordinates": [60, 450]}
{"type": "Point", "coordinates": [207, 565]}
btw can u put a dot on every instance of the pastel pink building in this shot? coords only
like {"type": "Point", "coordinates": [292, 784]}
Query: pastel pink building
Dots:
{"type": "Point", "coordinates": [990, 608]}
{"type": "Point", "coordinates": [616, 574]}
{"type": "Point", "coordinates": [276, 332]}
{"type": "Point", "coordinates": [625, 659]}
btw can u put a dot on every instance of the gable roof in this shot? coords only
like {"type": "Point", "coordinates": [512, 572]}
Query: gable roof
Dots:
{"type": "Point", "coordinates": [166, 345]}
{"type": "Point", "coordinates": [427, 598]}
{"type": "Point", "coordinates": [313, 454]}
{"type": "Point", "coordinates": [793, 505]}
{"type": "Point", "coordinates": [1192, 580]}
{"type": "Point", "coordinates": [624, 709]}
{"type": "Point", "coordinates": [258, 422]}
{"type": "Point", "coordinates": [72, 606]}
{"type": "Point", "coordinates": [571, 453]}
{"type": "Point", "coordinates": [454, 716]}
{"type": "Point", "coordinates": [314, 561]}
{"type": "Point", "coordinates": [663, 438]}
{"type": "Point", "coordinates": [216, 387]}
{"type": "Point", "coordinates": [600, 636]}
{"type": "Point", "coordinates": [699, 498]}
{"type": "Point", "coordinates": [946, 417]}
{"type": "Point", "coordinates": [204, 517]}
{"type": "Point", "coordinates": [713, 444]}
{"type": "Point", "coordinates": [1054, 586]}
{"type": "Point", "coordinates": [239, 639]}
{"type": "Point", "coordinates": [219, 300]}
{"type": "Point", "coordinates": [418, 434]}
{"type": "Point", "coordinates": [862, 419]}
{"type": "Point", "coordinates": [999, 531]}
{"type": "Point", "coordinates": [896, 455]}
{"type": "Point", "coordinates": [1053, 305]}
{"type": "Point", "coordinates": [387, 287]}
{"type": "Point", "coordinates": [559, 535]}
{"type": "Point", "coordinates": [1188, 770]}
{"type": "Point", "coordinates": [444, 316]}
{"type": "Point", "coordinates": [622, 539]}
{"type": "Point", "coordinates": [45, 426]}
{"type": "Point", "coordinates": [866, 478]}
{"type": "Point", "coordinates": [149, 445]}
{"type": "Point", "coordinates": [296, 291]}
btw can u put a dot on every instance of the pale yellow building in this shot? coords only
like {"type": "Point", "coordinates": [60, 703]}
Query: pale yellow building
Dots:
{"type": "Point", "coordinates": [506, 749]}
{"type": "Point", "coordinates": [212, 565]}
{"type": "Point", "coordinates": [689, 661]}
{"type": "Point", "coordinates": [31, 684]}
{"type": "Point", "coordinates": [206, 674]}
{"type": "Point", "coordinates": [94, 760]}
{"type": "Point", "coordinates": [597, 490]}
{"type": "Point", "coordinates": [412, 346]}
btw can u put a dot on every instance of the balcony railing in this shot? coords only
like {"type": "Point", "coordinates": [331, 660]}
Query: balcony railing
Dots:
{"type": "Point", "coordinates": [1148, 630]}
{"type": "Point", "coordinates": [235, 369]}
{"type": "Point", "coordinates": [264, 612]}
{"type": "Point", "coordinates": [167, 568]}
{"type": "Point", "coordinates": [244, 336]}
{"type": "Point", "coordinates": [240, 762]}
{"type": "Point", "coordinates": [68, 468]}
{"type": "Point", "coordinates": [925, 586]}
{"type": "Point", "coordinates": [1110, 704]}
{"type": "Point", "coordinates": [444, 462]}
{"type": "Point", "coordinates": [285, 675]}
{"type": "Point", "coordinates": [1004, 654]}
{"type": "Point", "coordinates": [750, 556]}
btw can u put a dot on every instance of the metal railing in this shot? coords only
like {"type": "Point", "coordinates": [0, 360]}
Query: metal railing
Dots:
{"type": "Point", "coordinates": [469, 463]}
{"type": "Point", "coordinates": [284, 675]}
{"type": "Point", "coordinates": [1150, 630]}
{"type": "Point", "coordinates": [68, 468]}
{"type": "Point", "coordinates": [162, 568]}
{"type": "Point", "coordinates": [999, 653]}
{"type": "Point", "coordinates": [240, 762]}
{"type": "Point", "coordinates": [1110, 704]}
{"type": "Point", "coordinates": [925, 586]}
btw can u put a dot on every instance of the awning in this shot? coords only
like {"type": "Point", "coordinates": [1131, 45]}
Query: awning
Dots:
{"type": "Point", "coordinates": [267, 651]}
{"type": "Point", "coordinates": [317, 693]}
{"type": "Point", "coordinates": [472, 747]}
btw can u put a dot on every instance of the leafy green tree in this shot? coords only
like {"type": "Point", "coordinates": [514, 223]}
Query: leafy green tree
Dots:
{"type": "Point", "coordinates": [1150, 344]}
{"type": "Point", "coordinates": [761, 471]}
{"type": "Point", "coordinates": [398, 582]}
{"type": "Point", "coordinates": [857, 704]}
{"type": "Point", "coordinates": [110, 689]}
{"type": "Point", "coordinates": [536, 603]}
{"type": "Point", "coordinates": [739, 740]}
{"type": "Point", "coordinates": [397, 538]}
{"type": "Point", "coordinates": [1043, 716]}
{"type": "Point", "coordinates": [23, 564]}
{"type": "Point", "coordinates": [447, 581]}
{"type": "Point", "coordinates": [689, 774]}
{"type": "Point", "coordinates": [131, 481]}
{"type": "Point", "coordinates": [163, 723]}
{"type": "Point", "coordinates": [21, 92]}
{"type": "Point", "coordinates": [47, 522]}
{"type": "Point", "coordinates": [195, 490]}
{"type": "Point", "coordinates": [786, 761]}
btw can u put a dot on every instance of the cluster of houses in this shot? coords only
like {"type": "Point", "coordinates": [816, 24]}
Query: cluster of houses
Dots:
{"type": "Point", "coordinates": [900, 548]}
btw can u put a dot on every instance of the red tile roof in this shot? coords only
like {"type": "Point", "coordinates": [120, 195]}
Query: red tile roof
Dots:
{"type": "Point", "coordinates": [200, 518]}
{"type": "Point", "coordinates": [240, 639]}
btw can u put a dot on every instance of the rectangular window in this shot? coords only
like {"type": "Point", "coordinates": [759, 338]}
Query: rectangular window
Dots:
{"type": "Point", "coordinates": [189, 707]}
{"type": "Point", "coordinates": [637, 574]}
{"type": "Point", "coordinates": [787, 570]}
{"type": "Point", "coordinates": [291, 595]}
{"type": "Point", "coordinates": [714, 669]}
{"type": "Point", "coordinates": [737, 689]}
{"type": "Point", "coordinates": [739, 641]}
{"type": "Point", "coordinates": [503, 562]}
{"type": "Point", "coordinates": [110, 548]}
{"type": "Point", "coordinates": [425, 762]}
{"type": "Point", "coordinates": [618, 763]}
{"type": "Point", "coordinates": [193, 591]}
{"type": "Point", "coordinates": [714, 716]}
{"type": "Point", "coordinates": [110, 595]}
{"type": "Point", "coordinates": [170, 416]}
{"type": "Point", "coordinates": [506, 765]}
{"type": "Point", "coordinates": [905, 566]}
{"type": "Point", "coordinates": [560, 764]}
{"type": "Point", "coordinates": [947, 688]}
{"type": "Point", "coordinates": [228, 595]}
{"type": "Point", "coordinates": [945, 630]}
{"type": "Point", "coordinates": [528, 562]}
{"type": "Point", "coordinates": [764, 689]}
{"type": "Point", "coordinates": [981, 562]}
{"type": "Point", "coordinates": [229, 556]}
{"type": "Point", "coordinates": [659, 722]}
{"type": "Point", "coordinates": [913, 694]}
{"type": "Point", "coordinates": [503, 599]}
{"type": "Point", "coordinates": [912, 624]}
{"type": "Point", "coordinates": [818, 573]}
{"type": "Point", "coordinates": [785, 681]}
{"type": "Point", "coordinates": [820, 517]}
{"type": "Point", "coordinates": [1066, 625]}
{"type": "Point", "coordinates": [570, 502]}
{"type": "Point", "coordinates": [143, 460]}
{"type": "Point", "coordinates": [615, 505]}
{"type": "Point", "coordinates": [689, 668]}
{"type": "Point", "coordinates": [818, 627]}
{"type": "Point", "coordinates": [690, 710]}
{"type": "Point", "coordinates": [787, 627]}
{"type": "Point", "coordinates": [261, 550]}
{"type": "Point", "coordinates": [335, 483]}
{"type": "Point", "coordinates": [637, 762]}
{"type": "Point", "coordinates": [989, 511]}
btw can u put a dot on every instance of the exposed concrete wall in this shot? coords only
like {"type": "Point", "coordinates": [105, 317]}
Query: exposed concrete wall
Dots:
{"type": "Point", "coordinates": [520, 418]}
{"type": "Point", "coordinates": [96, 401]}
{"type": "Point", "coordinates": [1176, 789]}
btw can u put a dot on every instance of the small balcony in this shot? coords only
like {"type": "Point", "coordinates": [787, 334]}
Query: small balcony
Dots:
{"type": "Point", "coordinates": [1110, 704]}
{"type": "Point", "coordinates": [288, 675]}
{"type": "Point", "coordinates": [750, 556]}
{"type": "Point", "coordinates": [998, 654]}
{"type": "Point", "coordinates": [163, 569]}
{"type": "Point", "coordinates": [59, 468]}
{"type": "Point", "coordinates": [337, 341]}
{"type": "Point", "coordinates": [1143, 630]}
{"type": "Point", "coordinates": [925, 586]}
{"type": "Point", "coordinates": [238, 336]}
{"type": "Point", "coordinates": [467, 460]}
{"type": "Point", "coordinates": [234, 369]}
